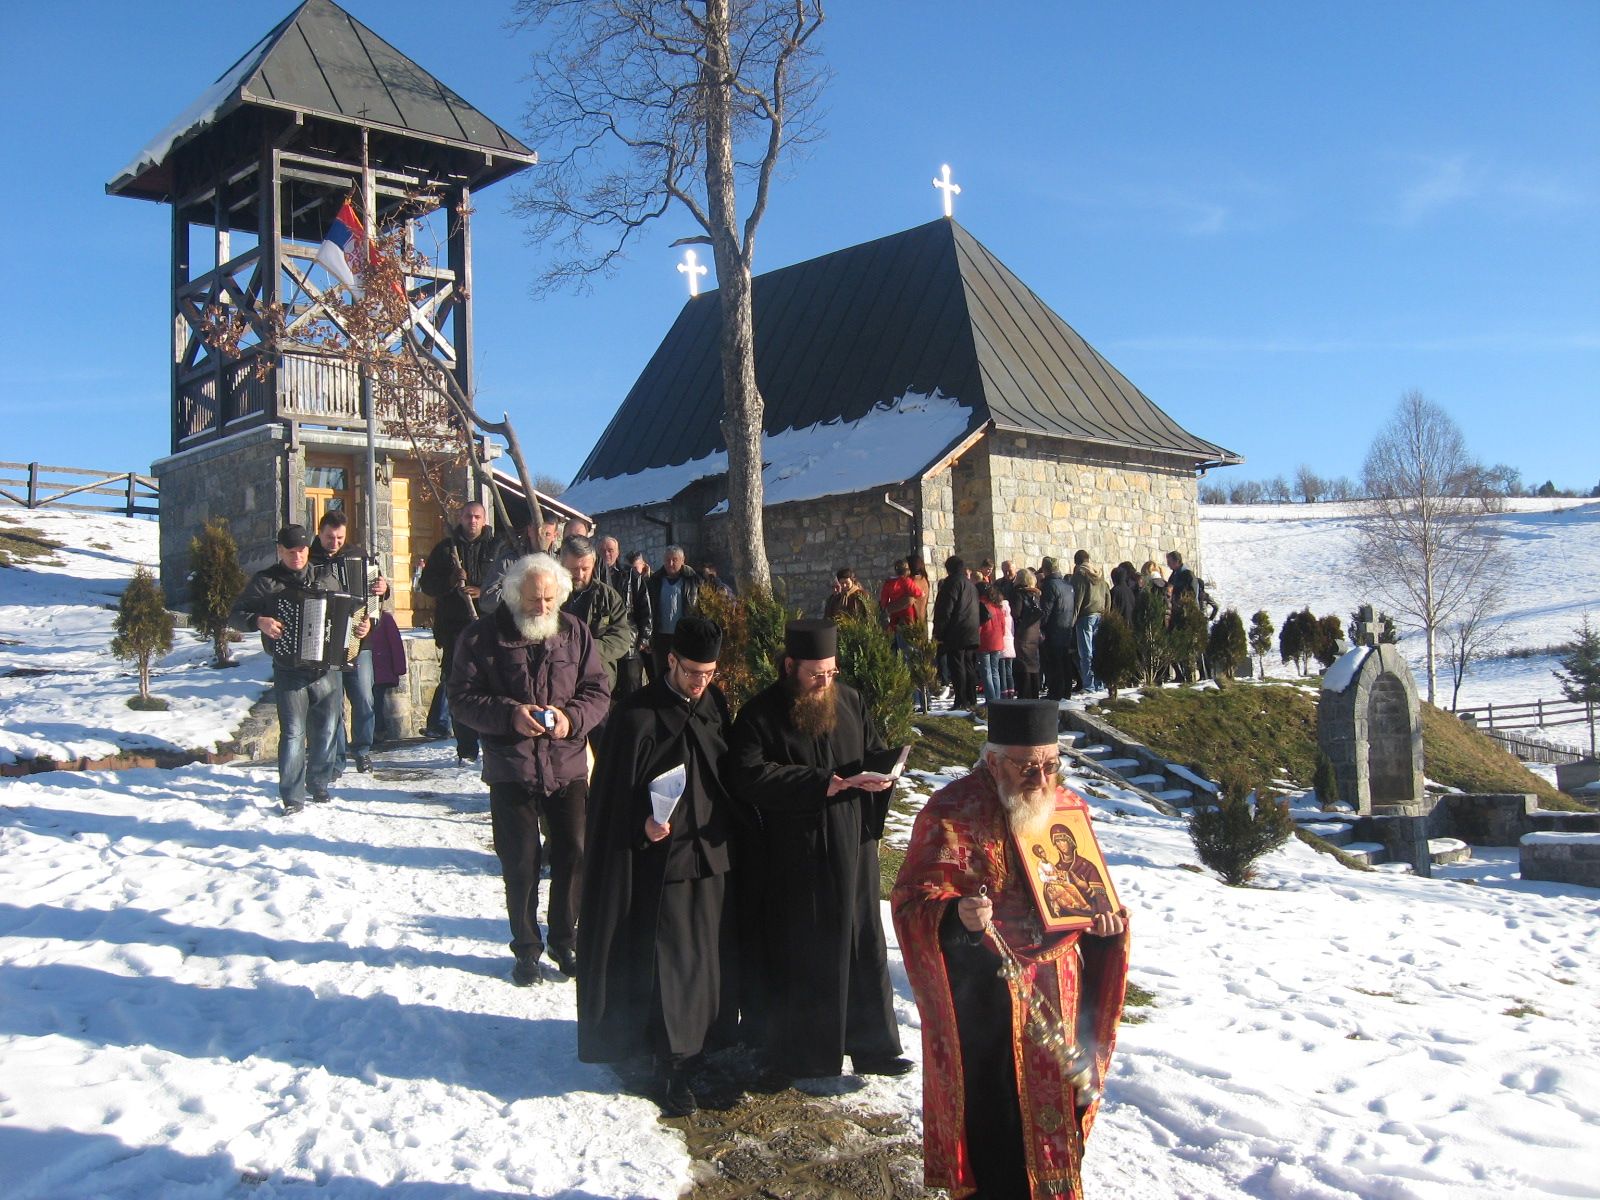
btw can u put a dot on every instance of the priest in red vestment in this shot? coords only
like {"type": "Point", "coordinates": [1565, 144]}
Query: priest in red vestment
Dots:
{"type": "Point", "coordinates": [1004, 1116]}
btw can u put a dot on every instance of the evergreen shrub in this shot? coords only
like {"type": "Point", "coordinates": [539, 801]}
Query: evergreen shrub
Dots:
{"type": "Point", "coordinates": [1326, 646]}
{"type": "Point", "coordinates": [1150, 643]}
{"type": "Point", "coordinates": [868, 660]}
{"type": "Point", "coordinates": [143, 629]}
{"type": "Point", "coordinates": [215, 581]}
{"type": "Point", "coordinates": [1116, 654]}
{"type": "Point", "coordinates": [1243, 825]}
{"type": "Point", "coordinates": [1325, 782]}
{"type": "Point", "coordinates": [752, 639]}
{"type": "Point", "coordinates": [1261, 631]}
{"type": "Point", "coordinates": [1186, 639]}
{"type": "Point", "coordinates": [1226, 647]}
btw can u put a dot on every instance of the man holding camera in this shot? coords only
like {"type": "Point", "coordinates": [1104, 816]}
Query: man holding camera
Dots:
{"type": "Point", "coordinates": [528, 679]}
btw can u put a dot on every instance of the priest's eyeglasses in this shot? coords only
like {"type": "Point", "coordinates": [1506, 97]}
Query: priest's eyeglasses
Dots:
{"type": "Point", "coordinates": [813, 676]}
{"type": "Point", "coordinates": [1043, 767]}
{"type": "Point", "coordinates": [706, 675]}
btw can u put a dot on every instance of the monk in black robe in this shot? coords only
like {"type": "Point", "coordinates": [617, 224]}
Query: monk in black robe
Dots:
{"type": "Point", "coordinates": [795, 757]}
{"type": "Point", "coordinates": [655, 962]}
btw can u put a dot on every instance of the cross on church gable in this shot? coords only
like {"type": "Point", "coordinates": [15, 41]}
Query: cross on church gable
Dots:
{"type": "Point", "coordinates": [693, 269]}
{"type": "Point", "coordinates": [951, 190]}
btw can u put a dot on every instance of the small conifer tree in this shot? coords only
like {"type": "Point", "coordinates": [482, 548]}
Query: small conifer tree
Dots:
{"type": "Point", "coordinates": [1326, 646]}
{"type": "Point", "coordinates": [1226, 647]}
{"type": "Point", "coordinates": [215, 581]}
{"type": "Point", "coordinates": [1187, 637]}
{"type": "Point", "coordinates": [921, 659]}
{"type": "Point", "coordinates": [1244, 824]}
{"type": "Point", "coordinates": [1150, 642]}
{"type": "Point", "coordinates": [1298, 640]}
{"type": "Point", "coordinates": [143, 629]}
{"type": "Point", "coordinates": [1579, 674]}
{"type": "Point", "coordinates": [867, 658]}
{"type": "Point", "coordinates": [1116, 657]}
{"type": "Point", "coordinates": [1325, 782]}
{"type": "Point", "coordinates": [752, 639]}
{"type": "Point", "coordinates": [1261, 631]}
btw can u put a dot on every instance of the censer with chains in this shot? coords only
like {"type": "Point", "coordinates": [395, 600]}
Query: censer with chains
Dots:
{"type": "Point", "coordinates": [1044, 1026]}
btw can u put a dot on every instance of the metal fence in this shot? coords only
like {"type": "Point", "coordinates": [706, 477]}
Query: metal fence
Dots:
{"type": "Point", "coordinates": [33, 485]}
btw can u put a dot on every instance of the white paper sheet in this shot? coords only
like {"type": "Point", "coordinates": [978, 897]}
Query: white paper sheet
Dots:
{"type": "Point", "coordinates": [666, 790]}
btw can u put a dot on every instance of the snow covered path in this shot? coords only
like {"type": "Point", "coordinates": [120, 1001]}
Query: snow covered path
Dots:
{"type": "Point", "coordinates": [195, 992]}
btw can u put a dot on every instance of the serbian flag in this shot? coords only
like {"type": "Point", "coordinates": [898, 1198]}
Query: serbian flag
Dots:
{"type": "Point", "coordinates": [340, 250]}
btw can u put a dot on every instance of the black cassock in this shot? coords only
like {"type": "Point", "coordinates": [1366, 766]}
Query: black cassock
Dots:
{"type": "Point", "coordinates": [825, 986]}
{"type": "Point", "coordinates": [655, 970]}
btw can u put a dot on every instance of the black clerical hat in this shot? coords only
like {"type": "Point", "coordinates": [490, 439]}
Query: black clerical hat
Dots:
{"type": "Point", "coordinates": [811, 639]}
{"type": "Point", "coordinates": [698, 639]}
{"type": "Point", "coordinates": [1024, 722]}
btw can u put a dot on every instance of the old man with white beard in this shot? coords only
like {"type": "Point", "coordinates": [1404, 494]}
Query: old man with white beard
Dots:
{"type": "Point", "coordinates": [1004, 1113]}
{"type": "Point", "coordinates": [528, 678]}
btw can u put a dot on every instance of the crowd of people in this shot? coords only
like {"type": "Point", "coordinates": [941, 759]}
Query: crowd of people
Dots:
{"type": "Point", "coordinates": [714, 878]}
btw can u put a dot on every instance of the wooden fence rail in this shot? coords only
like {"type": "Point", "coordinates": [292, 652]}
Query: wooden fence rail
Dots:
{"type": "Point", "coordinates": [30, 486]}
{"type": "Point", "coordinates": [1541, 713]}
{"type": "Point", "coordinates": [1533, 749]}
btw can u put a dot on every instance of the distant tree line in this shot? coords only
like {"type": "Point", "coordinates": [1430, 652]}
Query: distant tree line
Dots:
{"type": "Point", "coordinates": [1307, 487]}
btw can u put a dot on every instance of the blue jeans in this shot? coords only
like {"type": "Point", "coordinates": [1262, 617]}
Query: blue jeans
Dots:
{"type": "Point", "coordinates": [308, 710]}
{"type": "Point", "coordinates": [1088, 626]}
{"type": "Point", "coordinates": [358, 687]}
{"type": "Point", "coordinates": [991, 675]}
{"type": "Point", "coordinates": [1007, 683]}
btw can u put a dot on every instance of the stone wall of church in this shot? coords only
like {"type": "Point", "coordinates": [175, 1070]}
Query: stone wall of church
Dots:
{"type": "Point", "coordinates": [1053, 497]}
{"type": "Point", "coordinates": [936, 534]}
{"type": "Point", "coordinates": [972, 484]}
{"type": "Point", "coordinates": [241, 478]}
{"type": "Point", "coordinates": [807, 540]}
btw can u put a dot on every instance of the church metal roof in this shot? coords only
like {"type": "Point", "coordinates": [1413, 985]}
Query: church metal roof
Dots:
{"type": "Point", "coordinates": [320, 61]}
{"type": "Point", "coordinates": [929, 310]}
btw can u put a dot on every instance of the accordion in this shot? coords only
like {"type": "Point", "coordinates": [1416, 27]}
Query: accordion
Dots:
{"type": "Point", "coordinates": [317, 627]}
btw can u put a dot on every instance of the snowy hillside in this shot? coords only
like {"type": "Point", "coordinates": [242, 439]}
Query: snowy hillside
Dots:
{"type": "Point", "coordinates": [1282, 557]}
{"type": "Point", "coordinates": [201, 998]}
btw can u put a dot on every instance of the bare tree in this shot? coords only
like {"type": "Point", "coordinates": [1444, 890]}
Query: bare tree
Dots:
{"type": "Point", "coordinates": [1472, 632]}
{"type": "Point", "coordinates": [646, 106]}
{"type": "Point", "coordinates": [1308, 485]}
{"type": "Point", "coordinates": [1427, 548]}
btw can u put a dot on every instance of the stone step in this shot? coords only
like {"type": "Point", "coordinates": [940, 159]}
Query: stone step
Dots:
{"type": "Point", "coordinates": [1371, 853]}
{"type": "Point", "coordinates": [1448, 850]}
{"type": "Point", "coordinates": [1177, 797]}
{"type": "Point", "coordinates": [1095, 751]}
{"type": "Point", "coordinates": [1337, 833]}
{"type": "Point", "coordinates": [1071, 737]}
{"type": "Point", "coordinates": [1119, 765]}
{"type": "Point", "coordinates": [1149, 782]}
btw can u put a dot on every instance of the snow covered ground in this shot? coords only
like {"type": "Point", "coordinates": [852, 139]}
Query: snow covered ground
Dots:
{"type": "Point", "coordinates": [201, 998]}
{"type": "Point", "coordinates": [1282, 557]}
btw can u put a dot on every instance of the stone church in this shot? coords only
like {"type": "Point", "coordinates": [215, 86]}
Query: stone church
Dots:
{"type": "Point", "coordinates": [919, 399]}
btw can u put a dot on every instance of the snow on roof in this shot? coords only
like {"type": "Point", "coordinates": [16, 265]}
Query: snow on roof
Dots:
{"type": "Point", "coordinates": [893, 442]}
{"type": "Point", "coordinates": [199, 114]}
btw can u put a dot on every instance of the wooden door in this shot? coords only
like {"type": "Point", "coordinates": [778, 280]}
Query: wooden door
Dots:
{"type": "Point", "coordinates": [418, 528]}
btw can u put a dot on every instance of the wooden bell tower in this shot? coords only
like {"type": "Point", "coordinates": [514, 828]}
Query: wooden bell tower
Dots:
{"type": "Point", "coordinates": [269, 430]}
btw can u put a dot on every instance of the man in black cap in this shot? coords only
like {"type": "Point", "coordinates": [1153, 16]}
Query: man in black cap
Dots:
{"type": "Point", "coordinates": [795, 756]}
{"type": "Point", "coordinates": [308, 698]}
{"type": "Point", "coordinates": [1015, 1123]}
{"type": "Point", "coordinates": [456, 575]}
{"type": "Point", "coordinates": [655, 969]}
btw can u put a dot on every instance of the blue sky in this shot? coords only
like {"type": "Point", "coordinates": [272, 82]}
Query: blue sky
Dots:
{"type": "Point", "coordinates": [1274, 218]}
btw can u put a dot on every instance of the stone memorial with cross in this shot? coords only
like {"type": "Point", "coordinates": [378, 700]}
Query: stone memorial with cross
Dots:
{"type": "Point", "coordinates": [1369, 723]}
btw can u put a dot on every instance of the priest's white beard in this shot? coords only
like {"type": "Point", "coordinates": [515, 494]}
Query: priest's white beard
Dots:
{"type": "Point", "coordinates": [1025, 808]}
{"type": "Point", "coordinates": [539, 629]}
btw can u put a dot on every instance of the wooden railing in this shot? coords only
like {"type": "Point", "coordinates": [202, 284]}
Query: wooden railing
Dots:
{"type": "Point", "coordinates": [1543, 714]}
{"type": "Point", "coordinates": [127, 492]}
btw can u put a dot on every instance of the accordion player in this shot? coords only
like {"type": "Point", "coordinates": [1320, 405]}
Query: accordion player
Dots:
{"type": "Point", "coordinates": [318, 627]}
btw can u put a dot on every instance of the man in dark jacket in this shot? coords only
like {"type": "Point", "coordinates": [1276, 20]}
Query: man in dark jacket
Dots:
{"type": "Point", "coordinates": [1091, 600]}
{"type": "Point", "coordinates": [618, 574]}
{"type": "Point", "coordinates": [673, 592]}
{"type": "Point", "coordinates": [597, 606]}
{"type": "Point", "coordinates": [656, 972]}
{"type": "Point", "coordinates": [455, 576]}
{"type": "Point", "coordinates": [956, 616]}
{"type": "Point", "coordinates": [341, 567]}
{"type": "Point", "coordinates": [308, 698]}
{"type": "Point", "coordinates": [1056, 604]}
{"type": "Point", "coordinates": [795, 757]}
{"type": "Point", "coordinates": [528, 679]}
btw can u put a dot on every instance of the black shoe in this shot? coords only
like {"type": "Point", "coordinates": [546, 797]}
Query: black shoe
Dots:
{"type": "Point", "coordinates": [677, 1097]}
{"type": "Point", "coordinates": [566, 962]}
{"type": "Point", "coordinates": [433, 733]}
{"type": "Point", "coordinates": [318, 797]}
{"type": "Point", "coordinates": [526, 971]}
{"type": "Point", "coordinates": [772, 1081]}
{"type": "Point", "coordinates": [364, 764]}
{"type": "Point", "coordinates": [892, 1066]}
{"type": "Point", "coordinates": [290, 807]}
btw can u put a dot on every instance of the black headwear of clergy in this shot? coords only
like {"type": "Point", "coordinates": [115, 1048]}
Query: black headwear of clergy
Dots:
{"type": "Point", "coordinates": [697, 639]}
{"type": "Point", "coordinates": [811, 640]}
{"type": "Point", "coordinates": [1024, 722]}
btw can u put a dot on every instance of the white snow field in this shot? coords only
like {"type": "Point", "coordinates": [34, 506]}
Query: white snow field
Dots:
{"type": "Point", "coordinates": [202, 998]}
